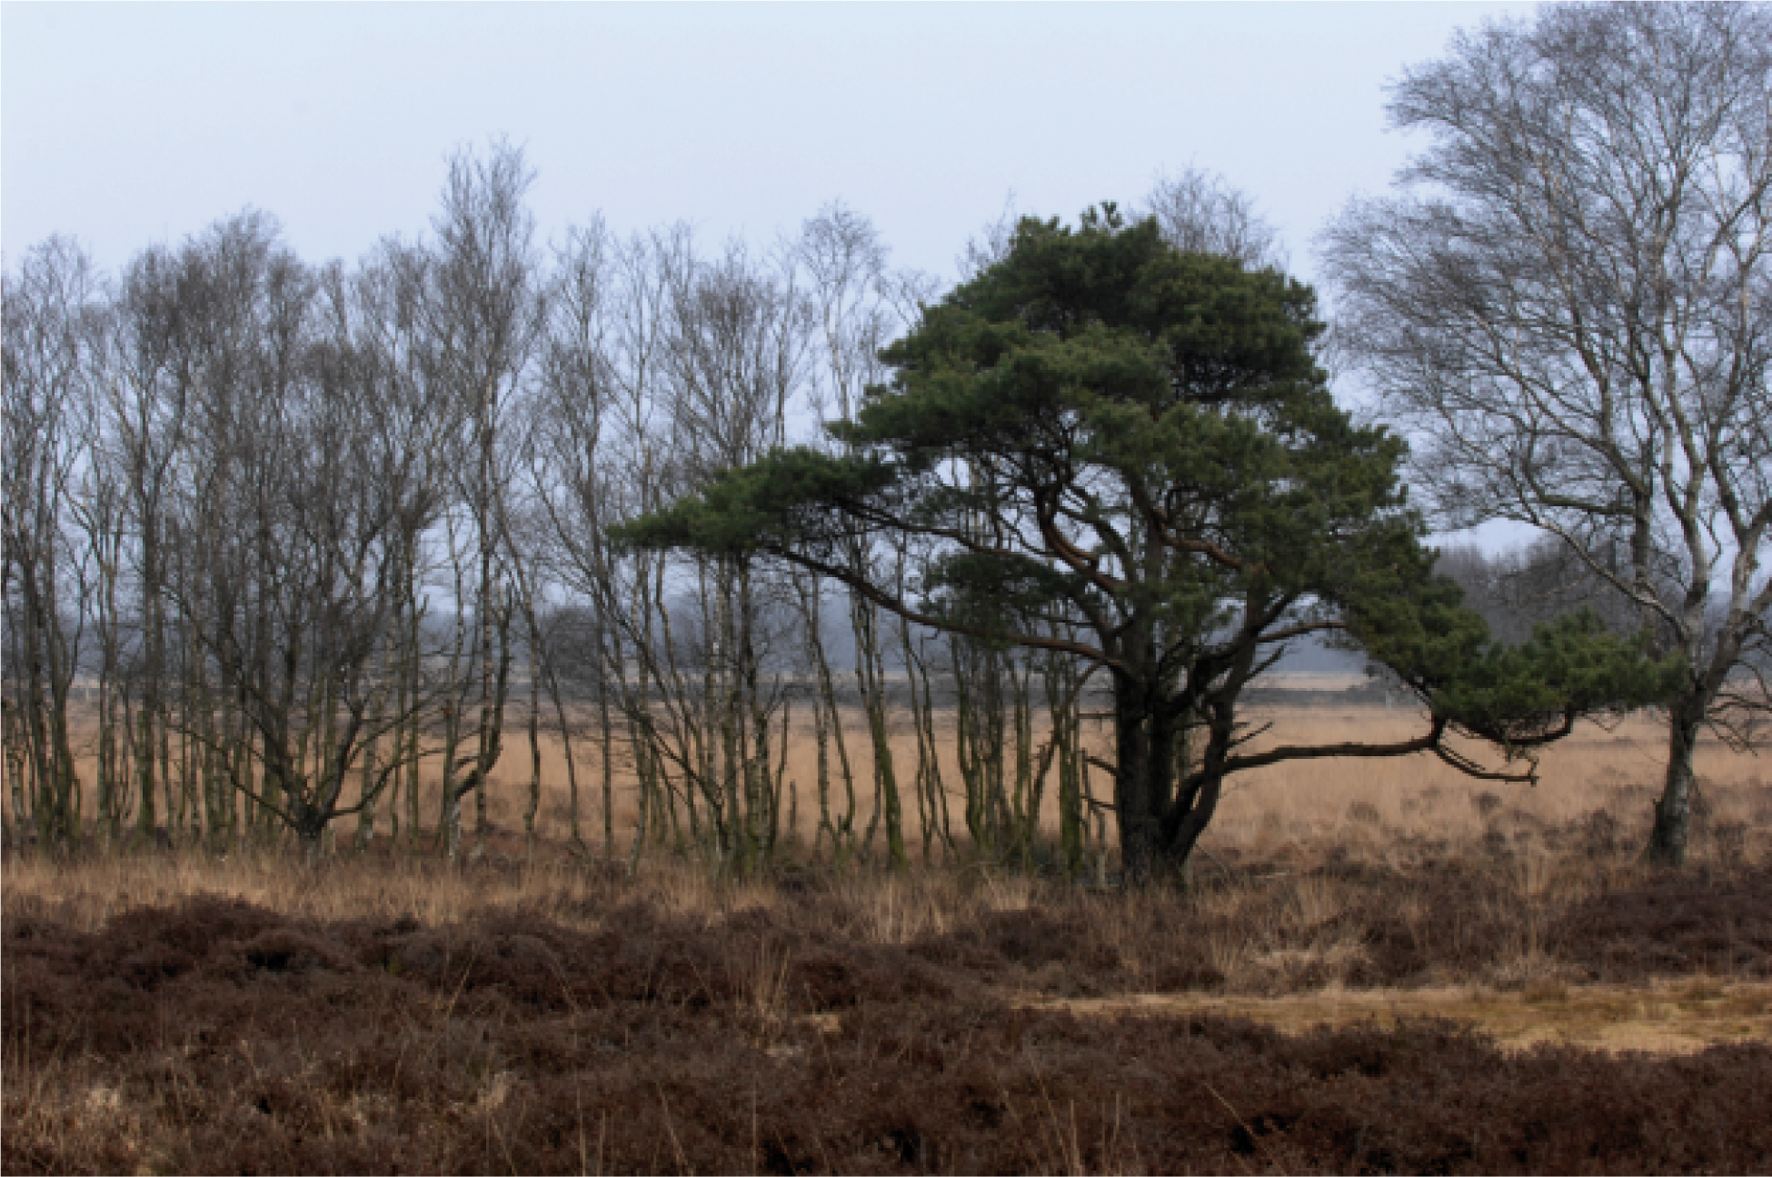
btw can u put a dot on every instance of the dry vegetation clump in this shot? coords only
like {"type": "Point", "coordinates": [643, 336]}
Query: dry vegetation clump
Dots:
{"type": "Point", "coordinates": [407, 1018]}
{"type": "Point", "coordinates": [215, 1035]}
{"type": "Point", "coordinates": [1368, 974]}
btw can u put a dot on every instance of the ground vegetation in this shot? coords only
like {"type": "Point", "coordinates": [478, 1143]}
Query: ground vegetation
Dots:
{"type": "Point", "coordinates": [1586, 1013]}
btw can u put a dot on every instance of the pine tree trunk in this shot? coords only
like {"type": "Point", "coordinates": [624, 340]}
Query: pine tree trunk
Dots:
{"type": "Point", "coordinates": [1139, 765]}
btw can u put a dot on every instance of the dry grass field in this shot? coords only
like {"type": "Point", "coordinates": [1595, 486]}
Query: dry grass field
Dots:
{"type": "Point", "coordinates": [1303, 811]}
{"type": "Point", "coordinates": [1383, 967]}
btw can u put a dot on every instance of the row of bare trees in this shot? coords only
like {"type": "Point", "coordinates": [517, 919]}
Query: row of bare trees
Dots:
{"type": "Point", "coordinates": [286, 545]}
{"type": "Point", "coordinates": [301, 552]}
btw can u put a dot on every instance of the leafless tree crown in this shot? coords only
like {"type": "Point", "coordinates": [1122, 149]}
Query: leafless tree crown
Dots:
{"type": "Point", "coordinates": [1569, 305]}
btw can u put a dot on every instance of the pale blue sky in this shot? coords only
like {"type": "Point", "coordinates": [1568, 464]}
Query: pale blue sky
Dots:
{"type": "Point", "coordinates": [125, 124]}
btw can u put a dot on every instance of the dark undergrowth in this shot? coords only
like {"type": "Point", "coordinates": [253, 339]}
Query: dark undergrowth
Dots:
{"type": "Point", "coordinates": [212, 1035]}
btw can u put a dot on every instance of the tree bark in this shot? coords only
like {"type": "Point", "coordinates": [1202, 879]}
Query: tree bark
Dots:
{"type": "Point", "coordinates": [1672, 833]}
{"type": "Point", "coordinates": [1142, 784]}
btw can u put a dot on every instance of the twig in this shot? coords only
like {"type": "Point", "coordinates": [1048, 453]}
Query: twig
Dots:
{"type": "Point", "coordinates": [1273, 1164]}
{"type": "Point", "coordinates": [1221, 866]}
{"type": "Point", "coordinates": [682, 1161]}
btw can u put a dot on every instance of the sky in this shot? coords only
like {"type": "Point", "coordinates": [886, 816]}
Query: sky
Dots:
{"type": "Point", "coordinates": [129, 124]}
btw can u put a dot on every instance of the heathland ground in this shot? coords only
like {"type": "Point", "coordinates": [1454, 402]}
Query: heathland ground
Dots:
{"type": "Point", "coordinates": [1381, 966]}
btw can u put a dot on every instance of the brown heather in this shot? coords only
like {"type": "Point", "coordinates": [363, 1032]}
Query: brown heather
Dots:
{"type": "Point", "coordinates": [1380, 969]}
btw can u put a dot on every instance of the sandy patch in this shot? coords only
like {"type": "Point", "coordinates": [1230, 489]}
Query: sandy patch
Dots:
{"type": "Point", "coordinates": [1673, 1017]}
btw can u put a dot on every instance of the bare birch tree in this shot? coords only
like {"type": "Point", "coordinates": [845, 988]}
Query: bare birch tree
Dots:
{"type": "Point", "coordinates": [484, 307]}
{"type": "Point", "coordinates": [1200, 212]}
{"type": "Point", "coordinates": [45, 576]}
{"type": "Point", "coordinates": [1570, 304]}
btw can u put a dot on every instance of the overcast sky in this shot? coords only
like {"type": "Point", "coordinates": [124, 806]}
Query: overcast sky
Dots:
{"type": "Point", "coordinates": [125, 124]}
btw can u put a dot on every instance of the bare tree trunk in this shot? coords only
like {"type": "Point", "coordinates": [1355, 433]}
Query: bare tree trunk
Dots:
{"type": "Point", "coordinates": [529, 810]}
{"type": "Point", "coordinates": [1672, 833]}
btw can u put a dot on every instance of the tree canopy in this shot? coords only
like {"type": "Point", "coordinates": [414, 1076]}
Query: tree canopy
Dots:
{"type": "Point", "coordinates": [1107, 446]}
{"type": "Point", "coordinates": [1566, 301]}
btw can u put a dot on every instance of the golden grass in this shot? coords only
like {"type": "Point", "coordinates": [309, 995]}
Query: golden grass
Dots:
{"type": "Point", "coordinates": [1288, 818]}
{"type": "Point", "coordinates": [1677, 1016]}
{"type": "Point", "coordinates": [87, 892]}
{"type": "Point", "coordinates": [1286, 811]}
